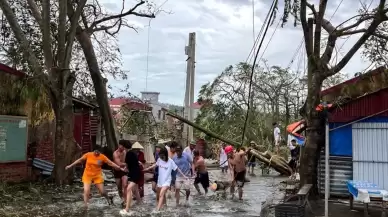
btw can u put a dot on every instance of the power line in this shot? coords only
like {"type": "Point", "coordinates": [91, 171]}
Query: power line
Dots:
{"type": "Point", "coordinates": [257, 40]}
{"type": "Point", "coordinates": [148, 52]}
{"type": "Point", "coordinates": [253, 21]}
{"type": "Point", "coordinates": [336, 10]}
{"type": "Point", "coordinates": [272, 12]}
{"type": "Point", "coordinates": [270, 39]}
{"type": "Point", "coordinates": [296, 53]}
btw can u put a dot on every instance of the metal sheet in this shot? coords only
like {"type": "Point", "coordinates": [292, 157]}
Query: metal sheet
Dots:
{"type": "Point", "coordinates": [370, 153]}
{"type": "Point", "coordinates": [340, 171]}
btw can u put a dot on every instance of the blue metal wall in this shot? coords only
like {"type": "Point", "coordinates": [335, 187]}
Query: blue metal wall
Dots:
{"type": "Point", "coordinates": [341, 138]}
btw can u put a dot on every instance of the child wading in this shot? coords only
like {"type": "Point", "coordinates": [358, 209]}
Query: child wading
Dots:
{"type": "Point", "coordinates": [93, 173]}
{"type": "Point", "coordinates": [165, 166]}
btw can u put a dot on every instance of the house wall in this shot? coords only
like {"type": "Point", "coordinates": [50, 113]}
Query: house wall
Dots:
{"type": "Point", "coordinates": [341, 170]}
{"type": "Point", "coordinates": [357, 151]}
{"type": "Point", "coordinates": [43, 135]}
{"type": "Point", "coordinates": [370, 152]}
{"type": "Point", "coordinates": [14, 172]}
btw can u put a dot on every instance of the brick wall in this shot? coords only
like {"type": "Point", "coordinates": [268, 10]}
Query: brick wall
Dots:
{"type": "Point", "coordinates": [45, 150]}
{"type": "Point", "coordinates": [43, 135]}
{"type": "Point", "coordinates": [13, 172]}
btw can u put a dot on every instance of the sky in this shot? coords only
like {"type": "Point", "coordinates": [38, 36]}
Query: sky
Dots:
{"type": "Point", "coordinates": [224, 36]}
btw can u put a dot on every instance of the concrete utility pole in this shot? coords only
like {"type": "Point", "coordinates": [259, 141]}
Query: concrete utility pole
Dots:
{"type": "Point", "coordinates": [190, 77]}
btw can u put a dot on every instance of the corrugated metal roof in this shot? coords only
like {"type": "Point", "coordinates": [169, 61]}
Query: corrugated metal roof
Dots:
{"type": "Point", "coordinates": [365, 106]}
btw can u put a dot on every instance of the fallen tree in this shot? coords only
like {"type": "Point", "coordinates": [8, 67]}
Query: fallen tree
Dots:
{"type": "Point", "coordinates": [276, 162]}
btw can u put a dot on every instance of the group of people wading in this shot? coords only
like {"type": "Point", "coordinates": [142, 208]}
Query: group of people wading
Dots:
{"type": "Point", "coordinates": [174, 171]}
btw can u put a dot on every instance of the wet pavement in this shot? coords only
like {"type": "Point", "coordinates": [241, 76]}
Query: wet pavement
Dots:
{"type": "Point", "coordinates": [258, 190]}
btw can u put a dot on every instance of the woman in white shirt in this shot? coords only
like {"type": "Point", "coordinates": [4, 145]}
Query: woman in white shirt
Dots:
{"type": "Point", "coordinates": [223, 159]}
{"type": "Point", "coordinates": [165, 166]}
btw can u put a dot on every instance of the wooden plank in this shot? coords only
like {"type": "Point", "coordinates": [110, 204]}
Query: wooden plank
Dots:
{"type": "Point", "coordinates": [305, 189]}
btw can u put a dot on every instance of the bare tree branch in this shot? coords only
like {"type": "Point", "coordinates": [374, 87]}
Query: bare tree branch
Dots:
{"type": "Point", "coordinates": [46, 35]}
{"type": "Point", "coordinates": [318, 28]}
{"type": "Point", "coordinates": [35, 12]}
{"type": "Point", "coordinates": [312, 8]}
{"type": "Point", "coordinates": [331, 40]}
{"type": "Point", "coordinates": [303, 20]}
{"type": "Point", "coordinates": [363, 18]}
{"type": "Point", "coordinates": [21, 38]}
{"type": "Point", "coordinates": [61, 32]}
{"type": "Point", "coordinates": [74, 24]}
{"type": "Point", "coordinates": [380, 17]}
{"type": "Point", "coordinates": [119, 16]}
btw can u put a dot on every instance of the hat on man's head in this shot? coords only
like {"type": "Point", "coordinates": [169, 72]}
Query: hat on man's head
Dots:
{"type": "Point", "coordinates": [137, 145]}
{"type": "Point", "coordinates": [193, 142]}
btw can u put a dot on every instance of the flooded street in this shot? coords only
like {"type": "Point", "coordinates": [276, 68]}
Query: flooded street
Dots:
{"type": "Point", "coordinates": [255, 192]}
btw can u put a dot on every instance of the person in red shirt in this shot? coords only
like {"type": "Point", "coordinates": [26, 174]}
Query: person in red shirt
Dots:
{"type": "Point", "coordinates": [138, 148]}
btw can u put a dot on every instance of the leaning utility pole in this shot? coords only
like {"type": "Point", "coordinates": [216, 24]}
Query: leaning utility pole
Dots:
{"type": "Point", "coordinates": [189, 95]}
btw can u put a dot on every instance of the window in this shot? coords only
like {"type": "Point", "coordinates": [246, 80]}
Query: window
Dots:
{"type": "Point", "coordinates": [159, 114]}
{"type": "Point", "coordinates": [164, 115]}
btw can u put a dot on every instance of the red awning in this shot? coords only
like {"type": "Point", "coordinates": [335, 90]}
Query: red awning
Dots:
{"type": "Point", "coordinates": [296, 128]}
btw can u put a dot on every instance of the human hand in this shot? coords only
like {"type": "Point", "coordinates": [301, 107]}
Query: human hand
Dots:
{"type": "Point", "coordinates": [67, 167]}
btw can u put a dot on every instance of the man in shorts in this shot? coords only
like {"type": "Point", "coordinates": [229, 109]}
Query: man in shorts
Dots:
{"type": "Point", "coordinates": [121, 176]}
{"type": "Point", "coordinates": [237, 165]}
{"type": "Point", "coordinates": [202, 174]}
{"type": "Point", "coordinates": [184, 163]}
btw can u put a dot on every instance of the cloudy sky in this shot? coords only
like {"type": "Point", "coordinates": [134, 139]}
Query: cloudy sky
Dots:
{"type": "Point", "coordinates": [224, 34]}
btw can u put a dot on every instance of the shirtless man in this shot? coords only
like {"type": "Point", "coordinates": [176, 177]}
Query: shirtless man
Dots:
{"type": "Point", "coordinates": [120, 176]}
{"type": "Point", "coordinates": [202, 174]}
{"type": "Point", "coordinates": [237, 165]}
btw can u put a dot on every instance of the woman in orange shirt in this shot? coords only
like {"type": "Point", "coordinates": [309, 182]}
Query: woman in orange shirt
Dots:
{"type": "Point", "coordinates": [93, 173]}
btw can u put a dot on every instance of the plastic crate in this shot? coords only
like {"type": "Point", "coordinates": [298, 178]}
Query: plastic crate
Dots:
{"type": "Point", "coordinates": [289, 210]}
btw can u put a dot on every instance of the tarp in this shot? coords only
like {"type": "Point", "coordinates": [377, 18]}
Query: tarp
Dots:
{"type": "Point", "coordinates": [296, 128]}
{"type": "Point", "coordinates": [299, 139]}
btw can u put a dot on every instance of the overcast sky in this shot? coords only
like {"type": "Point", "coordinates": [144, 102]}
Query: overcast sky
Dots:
{"type": "Point", "coordinates": [224, 33]}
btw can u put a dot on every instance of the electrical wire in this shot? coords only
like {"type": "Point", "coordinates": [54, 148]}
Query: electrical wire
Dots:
{"type": "Point", "coordinates": [249, 58]}
{"type": "Point", "coordinates": [296, 53]}
{"type": "Point", "coordinates": [272, 12]}
{"type": "Point", "coordinates": [148, 52]}
{"type": "Point", "coordinates": [270, 39]}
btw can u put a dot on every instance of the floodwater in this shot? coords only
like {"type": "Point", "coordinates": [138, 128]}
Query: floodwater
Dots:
{"type": "Point", "coordinates": [256, 192]}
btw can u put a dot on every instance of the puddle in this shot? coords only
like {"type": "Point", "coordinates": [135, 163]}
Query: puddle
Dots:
{"type": "Point", "coordinates": [67, 203]}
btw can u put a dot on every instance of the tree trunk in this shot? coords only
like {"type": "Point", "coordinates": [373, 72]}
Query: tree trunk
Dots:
{"type": "Point", "coordinates": [64, 147]}
{"type": "Point", "coordinates": [99, 87]}
{"type": "Point", "coordinates": [314, 133]}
